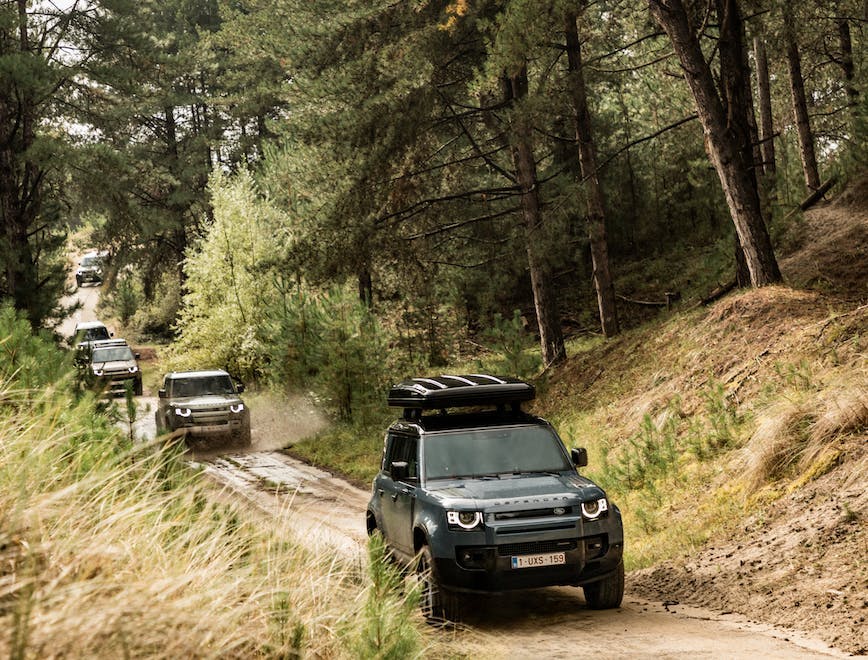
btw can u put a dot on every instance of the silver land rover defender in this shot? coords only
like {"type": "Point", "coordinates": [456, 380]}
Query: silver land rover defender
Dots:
{"type": "Point", "coordinates": [203, 406]}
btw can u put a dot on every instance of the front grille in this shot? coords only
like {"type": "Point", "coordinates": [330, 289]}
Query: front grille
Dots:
{"type": "Point", "coordinates": [536, 547]}
{"type": "Point", "coordinates": [211, 416]}
{"type": "Point", "coordinates": [532, 513]}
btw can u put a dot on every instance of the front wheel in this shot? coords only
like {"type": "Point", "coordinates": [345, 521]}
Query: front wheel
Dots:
{"type": "Point", "coordinates": [438, 604]}
{"type": "Point", "coordinates": [608, 592]}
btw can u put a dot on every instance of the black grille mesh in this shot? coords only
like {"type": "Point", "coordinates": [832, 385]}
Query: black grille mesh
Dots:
{"type": "Point", "coordinates": [536, 547]}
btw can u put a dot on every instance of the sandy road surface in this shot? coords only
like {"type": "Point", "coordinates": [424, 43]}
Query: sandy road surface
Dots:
{"type": "Point", "coordinates": [328, 513]}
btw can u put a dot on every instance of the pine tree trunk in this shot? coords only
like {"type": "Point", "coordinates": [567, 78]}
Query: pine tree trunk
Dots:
{"type": "Point", "coordinates": [846, 63]}
{"type": "Point", "coordinates": [800, 103]}
{"type": "Point", "coordinates": [735, 92]}
{"type": "Point", "coordinates": [596, 218]}
{"type": "Point", "coordinates": [545, 303]}
{"type": "Point", "coordinates": [764, 96]}
{"type": "Point", "coordinates": [724, 147]}
{"type": "Point", "coordinates": [20, 181]}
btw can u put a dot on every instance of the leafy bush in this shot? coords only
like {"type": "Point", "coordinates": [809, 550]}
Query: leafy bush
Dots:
{"type": "Point", "coordinates": [330, 344]}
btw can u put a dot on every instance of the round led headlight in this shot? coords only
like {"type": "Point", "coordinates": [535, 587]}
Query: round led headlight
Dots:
{"type": "Point", "coordinates": [236, 408]}
{"type": "Point", "coordinates": [183, 412]}
{"type": "Point", "coordinates": [133, 370]}
{"type": "Point", "coordinates": [97, 372]}
{"type": "Point", "coordinates": [595, 508]}
{"type": "Point", "coordinates": [464, 519]}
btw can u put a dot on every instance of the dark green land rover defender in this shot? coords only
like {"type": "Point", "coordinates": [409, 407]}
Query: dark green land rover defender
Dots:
{"type": "Point", "coordinates": [489, 499]}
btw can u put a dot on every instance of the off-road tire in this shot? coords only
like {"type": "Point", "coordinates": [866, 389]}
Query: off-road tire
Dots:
{"type": "Point", "coordinates": [244, 437]}
{"type": "Point", "coordinates": [78, 282]}
{"type": "Point", "coordinates": [607, 593]}
{"type": "Point", "coordinates": [158, 423]}
{"type": "Point", "coordinates": [438, 605]}
{"type": "Point", "coordinates": [137, 387]}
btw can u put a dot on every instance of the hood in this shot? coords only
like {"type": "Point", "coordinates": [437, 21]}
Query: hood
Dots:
{"type": "Point", "coordinates": [114, 366]}
{"type": "Point", "coordinates": [206, 401]}
{"type": "Point", "coordinates": [516, 491]}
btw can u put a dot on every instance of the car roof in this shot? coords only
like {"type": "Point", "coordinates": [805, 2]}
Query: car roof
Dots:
{"type": "Point", "coordinates": [87, 325]}
{"type": "Point", "coordinates": [469, 420]}
{"type": "Point", "coordinates": [459, 391]}
{"type": "Point", "coordinates": [196, 374]}
{"type": "Point", "coordinates": [107, 343]}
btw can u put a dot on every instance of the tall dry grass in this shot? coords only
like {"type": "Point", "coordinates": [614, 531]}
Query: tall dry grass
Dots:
{"type": "Point", "coordinates": [114, 550]}
{"type": "Point", "coordinates": [801, 434]}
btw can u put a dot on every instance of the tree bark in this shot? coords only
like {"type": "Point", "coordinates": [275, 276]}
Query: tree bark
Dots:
{"type": "Point", "coordinates": [764, 97]}
{"type": "Point", "coordinates": [596, 217]}
{"type": "Point", "coordinates": [800, 103]}
{"type": "Point", "coordinates": [723, 146]}
{"type": "Point", "coordinates": [545, 303]}
{"type": "Point", "coordinates": [20, 182]}
{"type": "Point", "coordinates": [738, 100]}
{"type": "Point", "coordinates": [846, 63]}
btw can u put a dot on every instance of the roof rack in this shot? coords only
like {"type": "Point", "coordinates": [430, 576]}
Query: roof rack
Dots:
{"type": "Point", "coordinates": [451, 391]}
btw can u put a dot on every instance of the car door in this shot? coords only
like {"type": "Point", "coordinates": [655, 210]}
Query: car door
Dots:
{"type": "Point", "coordinates": [398, 496]}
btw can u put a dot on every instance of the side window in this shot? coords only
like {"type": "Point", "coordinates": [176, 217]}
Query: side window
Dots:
{"type": "Point", "coordinates": [402, 448]}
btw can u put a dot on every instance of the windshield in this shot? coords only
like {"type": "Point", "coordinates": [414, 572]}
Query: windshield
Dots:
{"type": "Point", "coordinates": [202, 385]}
{"type": "Point", "coordinates": [93, 334]}
{"type": "Point", "coordinates": [112, 354]}
{"type": "Point", "coordinates": [493, 451]}
{"type": "Point", "coordinates": [90, 261]}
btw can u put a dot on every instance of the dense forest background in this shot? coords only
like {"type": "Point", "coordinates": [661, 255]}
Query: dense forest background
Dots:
{"type": "Point", "coordinates": [334, 194]}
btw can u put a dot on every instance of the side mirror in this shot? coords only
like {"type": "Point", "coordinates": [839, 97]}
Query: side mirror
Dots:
{"type": "Point", "coordinates": [579, 456]}
{"type": "Point", "coordinates": [138, 356]}
{"type": "Point", "coordinates": [239, 387]}
{"type": "Point", "coordinates": [161, 393]}
{"type": "Point", "coordinates": [399, 470]}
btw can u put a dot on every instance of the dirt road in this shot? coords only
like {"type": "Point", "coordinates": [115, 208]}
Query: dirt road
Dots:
{"type": "Point", "coordinates": [545, 623]}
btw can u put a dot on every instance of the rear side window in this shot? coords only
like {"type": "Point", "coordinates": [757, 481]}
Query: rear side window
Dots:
{"type": "Point", "coordinates": [404, 448]}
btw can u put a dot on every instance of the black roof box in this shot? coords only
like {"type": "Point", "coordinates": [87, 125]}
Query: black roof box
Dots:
{"type": "Point", "coordinates": [447, 391]}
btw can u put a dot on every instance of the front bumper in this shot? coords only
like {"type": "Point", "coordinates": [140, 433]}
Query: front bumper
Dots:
{"type": "Point", "coordinates": [118, 382]}
{"type": "Point", "coordinates": [89, 276]}
{"type": "Point", "coordinates": [483, 561]}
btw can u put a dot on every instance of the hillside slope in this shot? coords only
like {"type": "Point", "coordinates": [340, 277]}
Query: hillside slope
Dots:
{"type": "Point", "coordinates": [757, 410]}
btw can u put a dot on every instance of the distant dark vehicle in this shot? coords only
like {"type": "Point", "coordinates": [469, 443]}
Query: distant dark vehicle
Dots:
{"type": "Point", "coordinates": [490, 500]}
{"type": "Point", "coordinates": [113, 364]}
{"type": "Point", "coordinates": [90, 268]}
{"type": "Point", "coordinates": [203, 405]}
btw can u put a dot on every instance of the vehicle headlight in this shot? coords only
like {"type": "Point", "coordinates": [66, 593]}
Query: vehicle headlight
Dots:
{"type": "Point", "coordinates": [183, 412]}
{"type": "Point", "coordinates": [595, 508]}
{"type": "Point", "coordinates": [236, 407]}
{"type": "Point", "coordinates": [133, 369]}
{"type": "Point", "coordinates": [464, 519]}
{"type": "Point", "coordinates": [97, 372]}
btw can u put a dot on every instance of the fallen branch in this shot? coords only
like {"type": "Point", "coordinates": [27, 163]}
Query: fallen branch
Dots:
{"type": "Point", "coordinates": [719, 292]}
{"type": "Point", "coordinates": [670, 298]}
{"type": "Point", "coordinates": [814, 197]}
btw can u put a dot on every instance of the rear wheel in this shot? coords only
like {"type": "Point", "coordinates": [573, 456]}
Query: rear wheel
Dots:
{"type": "Point", "coordinates": [608, 592]}
{"type": "Point", "coordinates": [438, 604]}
